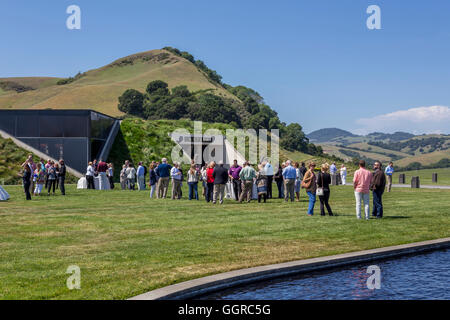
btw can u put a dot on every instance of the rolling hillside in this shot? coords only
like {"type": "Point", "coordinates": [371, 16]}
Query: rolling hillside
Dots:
{"type": "Point", "coordinates": [11, 159]}
{"type": "Point", "coordinates": [197, 96]}
{"type": "Point", "coordinates": [425, 159]}
{"type": "Point", "coordinates": [335, 136]}
{"type": "Point", "coordinates": [403, 148]}
{"type": "Point", "coordinates": [147, 140]}
{"type": "Point", "coordinates": [329, 134]}
{"type": "Point", "coordinates": [99, 89]}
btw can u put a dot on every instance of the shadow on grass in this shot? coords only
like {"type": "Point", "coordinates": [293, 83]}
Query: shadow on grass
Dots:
{"type": "Point", "coordinates": [371, 217]}
{"type": "Point", "coordinates": [396, 217]}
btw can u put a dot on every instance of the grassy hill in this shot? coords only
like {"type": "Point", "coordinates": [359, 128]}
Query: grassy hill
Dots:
{"type": "Point", "coordinates": [22, 84]}
{"type": "Point", "coordinates": [372, 153]}
{"type": "Point", "coordinates": [424, 159]}
{"type": "Point", "coordinates": [349, 153]}
{"type": "Point", "coordinates": [100, 88]}
{"type": "Point", "coordinates": [148, 140]}
{"type": "Point", "coordinates": [335, 136]}
{"type": "Point", "coordinates": [378, 150]}
{"type": "Point", "coordinates": [402, 148]}
{"type": "Point", "coordinates": [328, 134]}
{"type": "Point", "coordinates": [11, 158]}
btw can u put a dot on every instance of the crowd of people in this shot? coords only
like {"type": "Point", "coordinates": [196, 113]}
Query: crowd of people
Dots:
{"type": "Point", "coordinates": [43, 176]}
{"type": "Point", "coordinates": [245, 183]}
{"type": "Point", "coordinates": [101, 170]}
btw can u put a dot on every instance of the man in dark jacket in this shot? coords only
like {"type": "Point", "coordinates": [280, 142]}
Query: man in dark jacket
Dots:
{"type": "Point", "coordinates": [377, 186]}
{"type": "Point", "coordinates": [145, 174]}
{"type": "Point", "coordinates": [163, 172]}
{"type": "Point", "coordinates": [62, 177]}
{"type": "Point", "coordinates": [220, 175]}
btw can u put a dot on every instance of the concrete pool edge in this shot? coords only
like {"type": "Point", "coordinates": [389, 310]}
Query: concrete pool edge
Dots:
{"type": "Point", "coordinates": [201, 286]}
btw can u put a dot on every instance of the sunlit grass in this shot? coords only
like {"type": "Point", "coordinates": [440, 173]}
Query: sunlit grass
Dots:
{"type": "Point", "coordinates": [127, 244]}
{"type": "Point", "coordinates": [425, 176]}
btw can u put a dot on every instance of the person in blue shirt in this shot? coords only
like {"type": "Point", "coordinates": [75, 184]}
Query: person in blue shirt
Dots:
{"type": "Point", "coordinates": [333, 173]}
{"type": "Point", "coordinates": [389, 171]}
{"type": "Point", "coordinates": [176, 176]}
{"type": "Point", "coordinates": [163, 172]}
{"type": "Point", "coordinates": [289, 176]}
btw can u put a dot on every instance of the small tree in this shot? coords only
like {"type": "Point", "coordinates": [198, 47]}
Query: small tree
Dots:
{"type": "Point", "coordinates": [181, 91]}
{"type": "Point", "coordinates": [174, 109]}
{"type": "Point", "coordinates": [131, 102]}
{"type": "Point", "coordinates": [157, 87]}
{"type": "Point", "coordinates": [295, 139]}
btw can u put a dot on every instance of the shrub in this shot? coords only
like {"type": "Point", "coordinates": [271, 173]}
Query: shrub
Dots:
{"type": "Point", "coordinates": [131, 102]}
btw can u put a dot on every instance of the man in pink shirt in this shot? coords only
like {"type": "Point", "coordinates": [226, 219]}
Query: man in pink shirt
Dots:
{"type": "Point", "coordinates": [361, 183]}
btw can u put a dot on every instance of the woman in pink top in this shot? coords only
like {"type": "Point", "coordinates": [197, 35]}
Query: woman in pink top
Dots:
{"type": "Point", "coordinates": [361, 183]}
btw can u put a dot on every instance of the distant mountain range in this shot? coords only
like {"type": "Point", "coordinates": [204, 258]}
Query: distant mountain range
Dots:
{"type": "Point", "coordinates": [339, 136]}
{"type": "Point", "coordinates": [405, 149]}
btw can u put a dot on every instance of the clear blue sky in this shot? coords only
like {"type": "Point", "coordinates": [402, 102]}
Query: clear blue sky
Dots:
{"type": "Point", "coordinates": [315, 62]}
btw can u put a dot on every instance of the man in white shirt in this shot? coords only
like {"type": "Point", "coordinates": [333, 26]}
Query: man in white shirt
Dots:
{"type": "Point", "coordinates": [268, 169]}
{"type": "Point", "coordinates": [343, 174]}
{"type": "Point", "coordinates": [90, 176]}
{"type": "Point", "coordinates": [140, 176]}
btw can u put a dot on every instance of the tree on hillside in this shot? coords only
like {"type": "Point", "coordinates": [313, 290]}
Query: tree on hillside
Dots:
{"type": "Point", "coordinates": [160, 103]}
{"type": "Point", "coordinates": [212, 74]}
{"type": "Point", "coordinates": [257, 121]}
{"type": "Point", "coordinates": [211, 108]}
{"type": "Point", "coordinates": [314, 150]}
{"type": "Point", "coordinates": [175, 109]}
{"type": "Point", "coordinates": [153, 105]}
{"type": "Point", "coordinates": [181, 91]}
{"type": "Point", "coordinates": [157, 87]}
{"type": "Point", "coordinates": [131, 102]}
{"type": "Point", "coordinates": [251, 105]}
{"type": "Point", "coordinates": [294, 138]}
{"type": "Point", "coordinates": [244, 93]}
{"type": "Point", "coordinates": [187, 56]}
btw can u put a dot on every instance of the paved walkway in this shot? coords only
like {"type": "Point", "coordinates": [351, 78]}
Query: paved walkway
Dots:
{"type": "Point", "coordinates": [422, 186]}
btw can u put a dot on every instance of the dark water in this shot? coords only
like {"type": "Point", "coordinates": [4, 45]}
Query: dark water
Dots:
{"type": "Point", "coordinates": [425, 276]}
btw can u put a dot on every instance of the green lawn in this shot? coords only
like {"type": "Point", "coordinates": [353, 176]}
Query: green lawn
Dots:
{"type": "Point", "coordinates": [425, 176]}
{"type": "Point", "coordinates": [127, 244]}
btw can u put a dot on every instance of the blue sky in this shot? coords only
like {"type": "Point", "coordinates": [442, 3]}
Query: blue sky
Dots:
{"type": "Point", "coordinates": [315, 62]}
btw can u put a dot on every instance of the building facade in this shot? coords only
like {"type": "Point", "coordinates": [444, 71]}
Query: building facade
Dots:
{"type": "Point", "coordinates": [77, 136]}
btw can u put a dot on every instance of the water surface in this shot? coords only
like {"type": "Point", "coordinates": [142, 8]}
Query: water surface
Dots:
{"type": "Point", "coordinates": [425, 276]}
